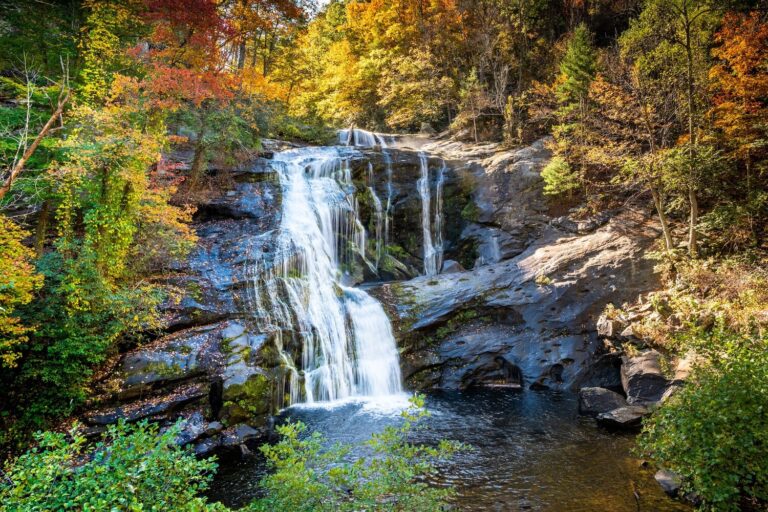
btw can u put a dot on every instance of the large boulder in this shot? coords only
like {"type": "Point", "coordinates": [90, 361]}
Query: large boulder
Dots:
{"type": "Point", "coordinates": [624, 418]}
{"type": "Point", "coordinates": [594, 401]}
{"type": "Point", "coordinates": [643, 379]}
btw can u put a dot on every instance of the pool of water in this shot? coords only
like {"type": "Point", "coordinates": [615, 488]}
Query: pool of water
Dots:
{"type": "Point", "coordinates": [528, 451]}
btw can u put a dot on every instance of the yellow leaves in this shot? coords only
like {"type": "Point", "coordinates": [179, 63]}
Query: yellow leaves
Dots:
{"type": "Point", "coordinates": [255, 83]}
{"type": "Point", "coordinates": [18, 282]}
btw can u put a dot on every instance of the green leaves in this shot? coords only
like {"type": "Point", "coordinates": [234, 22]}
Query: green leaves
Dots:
{"type": "Point", "coordinates": [131, 468]}
{"type": "Point", "coordinates": [714, 432]}
{"type": "Point", "coordinates": [578, 67]}
{"type": "Point", "coordinates": [309, 476]}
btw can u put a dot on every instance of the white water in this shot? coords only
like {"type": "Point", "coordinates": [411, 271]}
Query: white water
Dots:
{"type": "Point", "coordinates": [363, 138]}
{"type": "Point", "coordinates": [387, 212]}
{"type": "Point", "coordinates": [433, 247]}
{"type": "Point", "coordinates": [348, 349]}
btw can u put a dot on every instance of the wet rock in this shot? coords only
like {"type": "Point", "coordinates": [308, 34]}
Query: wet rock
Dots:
{"type": "Point", "coordinates": [239, 434]}
{"type": "Point", "coordinates": [207, 446]}
{"type": "Point", "coordinates": [593, 401]}
{"type": "Point", "coordinates": [670, 481]}
{"type": "Point", "coordinates": [247, 389]}
{"type": "Point", "coordinates": [449, 326]}
{"type": "Point", "coordinates": [642, 378]}
{"type": "Point", "coordinates": [451, 267]}
{"type": "Point", "coordinates": [149, 408]}
{"type": "Point", "coordinates": [626, 418]}
{"type": "Point", "coordinates": [181, 356]}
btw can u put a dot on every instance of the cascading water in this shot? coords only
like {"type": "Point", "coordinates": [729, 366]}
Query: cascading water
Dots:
{"type": "Point", "coordinates": [362, 138]}
{"type": "Point", "coordinates": [378, 213]}
{"type": "Point", "coordinates": [433, 248]}
{"type": "Point", "coordinates": [387, 212]}
{"type": "Point", "coordinates": [347, 344]}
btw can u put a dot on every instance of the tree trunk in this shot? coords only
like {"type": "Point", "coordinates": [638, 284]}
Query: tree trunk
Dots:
{"type": "Point", "coordinates": [241, 50]}
{"type": "Point", "coordinates": [658, 202]}
{"type": "Point", "coordinates": [693, 249]}
{"type": "Point", "coordinates": [692, 238]}
{"type": "Point", "coordinates": [42, 228]}
{"type": "Point", "coordinates": [19, 167]}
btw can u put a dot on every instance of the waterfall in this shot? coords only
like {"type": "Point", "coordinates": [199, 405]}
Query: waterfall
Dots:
{"type": "Point", "coordinates": [387, 212]}
{"type": "Point", "coordinates": [362, 138]}
{"type": "Point", "coordinates": [438, 244]}
{"type": "Point", "coordinates": [346, 339]}
{"type": "Point", "coordinates": [433, 248]}
{"type": "Point", "coordinates": [378, 213]}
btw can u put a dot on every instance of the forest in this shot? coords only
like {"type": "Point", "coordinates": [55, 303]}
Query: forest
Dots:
{"type": "Point", "coordinates": [662, 103]}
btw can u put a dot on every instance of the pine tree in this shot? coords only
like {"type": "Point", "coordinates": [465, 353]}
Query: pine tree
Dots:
{"type": "Point", "coordinates": [578, 68]}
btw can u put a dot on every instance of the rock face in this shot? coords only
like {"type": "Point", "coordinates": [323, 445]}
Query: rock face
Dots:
{"type": "Point", "coordinates": [642, 378]}
{"type": "Point", "coordinates": [536, 311]}
{"type": "Point", "coordinates": [212, 366]}
{"type": "Point", "coordinates": [594, 401]}
{"type": "Point", "coordinates": [516, 304]}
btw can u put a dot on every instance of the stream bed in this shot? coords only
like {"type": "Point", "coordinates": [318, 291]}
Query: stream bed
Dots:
{"type": "Point", "coordinates": [529, 451]}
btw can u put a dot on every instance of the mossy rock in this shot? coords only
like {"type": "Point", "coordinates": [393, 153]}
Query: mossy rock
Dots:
{"type": "Point", "coordinates": [249, 401]}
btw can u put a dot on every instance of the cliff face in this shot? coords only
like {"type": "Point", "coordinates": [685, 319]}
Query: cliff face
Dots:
{"type": "Point", "coordinates": [525, 314]}
{"type": "Point", "coordinates": [522, 314]}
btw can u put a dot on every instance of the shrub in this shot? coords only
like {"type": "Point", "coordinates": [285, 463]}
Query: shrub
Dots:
{"type": "Point", "coordinates": [132, 468]}
{"type": "Point", "coordinates": [559, 178]}
{"type": "Point", "coordinates": [714, 432]}
{"type": "Point", "coordinates": [307, 477]}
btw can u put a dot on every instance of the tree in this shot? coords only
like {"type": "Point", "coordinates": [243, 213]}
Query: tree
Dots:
{"type": "Point", "coordinates": [578, 69]}
{"type": "Point", "coordinates": [740, 111]}
{"type": "Point", "coordinates": [18, 283]}
{"type": "Point", "coordinates": [669, 36]}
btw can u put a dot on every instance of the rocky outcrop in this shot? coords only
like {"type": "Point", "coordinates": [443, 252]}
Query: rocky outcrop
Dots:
{"type": "Point", "coordinates": [212, 366]}
{"type": "Point", "coordinates": [642, 378]}
{"type": "Point", "coordinates": [536, 311]}
{"type": "Point", "coordinates": [594, 401]}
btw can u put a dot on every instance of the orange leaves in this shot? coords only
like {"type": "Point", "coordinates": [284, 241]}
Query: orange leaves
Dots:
{"type": "Point", "coordinates": [741, 77]}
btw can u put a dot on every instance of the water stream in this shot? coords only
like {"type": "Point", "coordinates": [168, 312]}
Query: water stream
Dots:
{"type": "Point", "coordinates": [528, 451]}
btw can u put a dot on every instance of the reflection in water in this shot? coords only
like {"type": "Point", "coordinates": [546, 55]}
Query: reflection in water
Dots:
{"type": "Point", "coordinates": [530, 451]}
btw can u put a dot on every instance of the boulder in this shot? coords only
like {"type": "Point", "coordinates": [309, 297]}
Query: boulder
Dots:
{"type": "Point", "coordinates": [626, 418]}
{"type": "Point", "coordinates": [642, 378]}
{"type": "Point", "coordinates": [607, 327]}
{"type": "Point", "coordinates": [239, 434]}
{"type": "Point", "coordinates": [192, 429]}
{"type": "Point", "coordinates": [593, 401]}
{"type": "Point", "coordinates": [670, 481]}
{"type": "Point", "coordinates": [451, 267]}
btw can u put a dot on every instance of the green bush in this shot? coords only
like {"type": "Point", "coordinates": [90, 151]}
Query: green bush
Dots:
{"type": "Point", "coordinates": [714, 432]}
{"type": "Point", "coordinates": [559, 177]}
{"type": "Point", "coordinates": [133, 468]}
{"type": "Point", "coordinates": [307, 477]}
